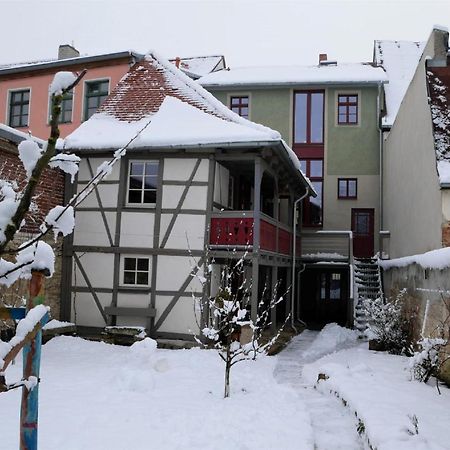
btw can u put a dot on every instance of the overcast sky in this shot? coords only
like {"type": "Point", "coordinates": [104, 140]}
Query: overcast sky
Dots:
{"type": "Point", "coordinates": [247, 32]}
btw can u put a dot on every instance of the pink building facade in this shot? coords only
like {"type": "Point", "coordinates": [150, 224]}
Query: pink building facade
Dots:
{"type": "Point", "coordinates": [24, 97]}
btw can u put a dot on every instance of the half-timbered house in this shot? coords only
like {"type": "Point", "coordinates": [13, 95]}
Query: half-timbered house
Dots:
{"type": "Point", "coordinates": [199, 185]}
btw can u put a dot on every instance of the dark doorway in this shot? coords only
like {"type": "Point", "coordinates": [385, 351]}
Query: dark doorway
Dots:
{"type": "Point", "coordinates": [324, 296]}
{"type": "Point", "coordinates": [363, 234]}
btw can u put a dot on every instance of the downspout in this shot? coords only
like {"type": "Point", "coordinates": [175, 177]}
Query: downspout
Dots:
{"type": "Point", "coordinates": [294, 253]}
{"type": "Point", "coordinates": [381, 192]}
{"type": "Point", "coordinates": [297, 316]}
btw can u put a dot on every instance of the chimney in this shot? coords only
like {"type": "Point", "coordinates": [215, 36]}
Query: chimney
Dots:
{"type": "Point", "coordinates": [66, 51]}
{"type": "Point", "coordinates": [322, 57]}
{"type": "Point", "coordinates": [177, 62]}
{"type": "Point", "coordinates": [440, 46]}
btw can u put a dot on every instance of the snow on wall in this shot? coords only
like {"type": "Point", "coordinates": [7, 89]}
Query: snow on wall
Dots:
{"type": "Point", "coordinates": [440, 115]}
{"type": "Point", "coordinates": [435, 259]}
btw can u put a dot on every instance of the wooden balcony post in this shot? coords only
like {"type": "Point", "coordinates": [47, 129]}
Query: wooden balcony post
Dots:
{"type": "Point", "coordinates": [274, 293]}
{"type": "Point", "coordinates": [256, 237]}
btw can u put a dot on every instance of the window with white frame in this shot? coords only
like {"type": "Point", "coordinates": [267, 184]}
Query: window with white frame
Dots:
{"type": "Point", "coordinates": [136, 271]}
{"type": "Point", "coordinates": [142, 182]}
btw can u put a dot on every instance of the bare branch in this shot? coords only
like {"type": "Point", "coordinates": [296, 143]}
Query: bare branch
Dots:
{"type": "Point", "coordinates": [42, 163]}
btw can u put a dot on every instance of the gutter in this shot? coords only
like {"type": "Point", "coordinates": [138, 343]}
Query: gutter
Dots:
{"type": "Point", "coordinates": [16, 137]}
{"type": "Point", "coordinates": [264, 85]}
{"type": "Point", "coordinates": [212, 147]}
{"type": "Point", "coordinates": [69, 62]}
{"type": "Point", "coordinates": [381, 156]}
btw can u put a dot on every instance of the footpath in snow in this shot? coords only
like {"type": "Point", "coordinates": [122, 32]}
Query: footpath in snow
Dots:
{"type": "Point", "coordinates": [334, 426]}
{"type": "Point", "coordinates": [392, 411]}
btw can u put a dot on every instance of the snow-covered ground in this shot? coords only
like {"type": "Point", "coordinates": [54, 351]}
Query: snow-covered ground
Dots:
{"type": "Point", "coordinates": [96, 396]}
{"type": "Point", "coordinates": [100, 396]}
{"type": "Point", "coordinates": [378, 388]}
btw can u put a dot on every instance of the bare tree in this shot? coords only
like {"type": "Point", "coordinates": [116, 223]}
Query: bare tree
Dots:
{"type": "Point", "coordinates": [231, 331]}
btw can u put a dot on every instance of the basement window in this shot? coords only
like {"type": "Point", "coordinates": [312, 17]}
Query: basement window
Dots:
{"type": "Point", "coordinates": [136, 271]}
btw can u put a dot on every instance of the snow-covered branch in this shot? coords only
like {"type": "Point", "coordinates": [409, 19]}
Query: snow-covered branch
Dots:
{"type": "Point", "coordinates": [60, 219]}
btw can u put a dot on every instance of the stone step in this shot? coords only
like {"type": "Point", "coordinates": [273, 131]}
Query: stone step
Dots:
{"type": "Point", "coordinates": [366, 265]}
{"type": "Point", "coordinates": [366, 273]}
{"type": "Point", "coordinates": [368, 285]}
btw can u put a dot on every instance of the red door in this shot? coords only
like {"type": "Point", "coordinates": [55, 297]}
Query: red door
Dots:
{"type": "Point", "coordinates": [362, 227]}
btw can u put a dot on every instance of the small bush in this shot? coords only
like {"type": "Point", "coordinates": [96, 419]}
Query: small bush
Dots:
{"type": "Point", "coordinates": [387, 325]}
{"type": "Point", "coordinates": [427, 361]}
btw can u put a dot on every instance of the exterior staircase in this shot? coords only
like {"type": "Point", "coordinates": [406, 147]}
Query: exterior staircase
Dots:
{"type": "Point", "coordinates": [368, 286]}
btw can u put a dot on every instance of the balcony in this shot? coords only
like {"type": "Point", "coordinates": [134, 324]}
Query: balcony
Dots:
{"type": "Point", "coordinates": [333, 246]}
{"type": "Point", "coordinates": [235, 230]}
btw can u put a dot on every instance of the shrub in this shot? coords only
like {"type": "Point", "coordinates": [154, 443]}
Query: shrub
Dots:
{"type": "Point", "coordinates": [427, 362]}
{"type": "Point", "coordinates": [387, 325]}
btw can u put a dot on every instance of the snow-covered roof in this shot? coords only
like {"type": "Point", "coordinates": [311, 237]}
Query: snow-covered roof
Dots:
{"type": "Point", "coordinates": [16, 136]}
{"type": "Point", "coordinates": [7, 69]}
{"type": "Point", "coordinates": [439, 91]}
{"type": "Point", "coordinates": [198, 66]}
{"type": "Point", "coordinates": [399, 59]}
{"type": "Point", "coordinates": [293, 75]}
{"type": "Point", "coordinates": [157, 105]}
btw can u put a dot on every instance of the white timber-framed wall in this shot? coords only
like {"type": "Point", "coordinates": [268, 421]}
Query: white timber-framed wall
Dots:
{"type": "Point", "coordinates": [170, 233]}
{"type": "Point", "coordinates": [166, 240]}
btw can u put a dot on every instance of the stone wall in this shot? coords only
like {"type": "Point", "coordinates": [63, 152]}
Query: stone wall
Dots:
{"type": "Point", "coordinates": [13, 295]}
{"type": "Point", "coordinates": [425, 293]}
{"type": "Point", "coordinates": [446, 234]}
{"type": "Point", "coordinates": [49, 193]}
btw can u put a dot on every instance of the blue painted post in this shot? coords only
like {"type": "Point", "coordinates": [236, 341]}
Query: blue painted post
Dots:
{"type": "Point", "coordinates": [31, 366]}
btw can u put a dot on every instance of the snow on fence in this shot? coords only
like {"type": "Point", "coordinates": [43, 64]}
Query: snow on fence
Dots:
{"type": "Point", "coordinates": [425, 280]}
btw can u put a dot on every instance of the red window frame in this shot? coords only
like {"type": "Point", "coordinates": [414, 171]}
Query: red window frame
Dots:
{"type": "Point", "coordinates": [344, 112]}
{"type": "Point", "coordinates": [346, 182]}
{"type": "Point", "coordinates": [238, 103]}
{"type": "Point", "coordinates": [309, 148]}
{"type": "Point", "coordinates": [308, 203]}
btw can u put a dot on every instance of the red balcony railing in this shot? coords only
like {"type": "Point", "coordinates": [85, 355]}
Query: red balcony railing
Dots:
{"type": "Point", "coordinates": [231, 231]}
{"type": "Point", "coordinates": [268, 236]}
{"type": "Point", "coordinates": [284, 242]}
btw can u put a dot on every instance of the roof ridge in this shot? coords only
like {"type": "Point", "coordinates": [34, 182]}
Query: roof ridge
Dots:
{"type": "Point", "coordinates": [217, 107]}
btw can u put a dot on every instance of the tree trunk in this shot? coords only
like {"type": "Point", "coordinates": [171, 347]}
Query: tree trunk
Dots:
{"type": "Point", "coordinates": [227, 372]}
